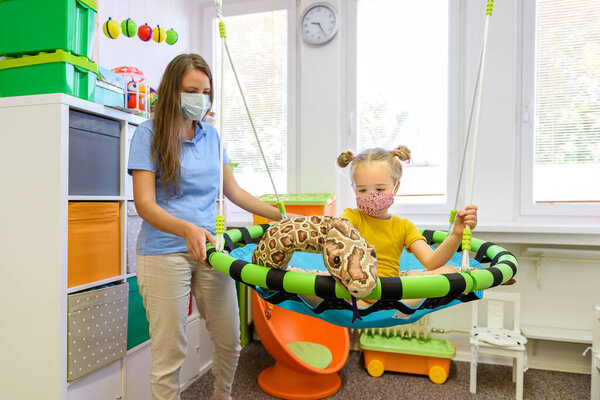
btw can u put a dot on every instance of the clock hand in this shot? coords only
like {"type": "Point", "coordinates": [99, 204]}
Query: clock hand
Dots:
{"type": "Point", "coordinates": [318, 23]}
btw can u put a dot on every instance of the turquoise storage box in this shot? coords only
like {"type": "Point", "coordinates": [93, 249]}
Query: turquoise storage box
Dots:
{"type": "Point", "coordinates": [109, 95]}
{"type": "Point", "coordinates": [109, 88]}
{"type": "Point", "coordinates": [112, 78]}
{"type": "Point", "coordinates": [57, 72]}
{"type": "Point", "coordinates": [138, 328]}
{"type": "Point", "coordinates": [33, 26]}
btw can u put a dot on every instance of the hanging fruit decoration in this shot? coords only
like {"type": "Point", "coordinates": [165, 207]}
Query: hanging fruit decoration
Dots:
{"type": "Point", "coordinates": [111, 29]}
{"type": "Point", "coordinates": [145, 32]}
{"type": "Point", "coordinates": [159, 34]}
{"type": "Point", "coordinates": [129, 28]}
{"type": "Point", "coordinates": [172, 36]}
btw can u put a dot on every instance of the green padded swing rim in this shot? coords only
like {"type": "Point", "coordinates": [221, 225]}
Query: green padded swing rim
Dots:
{"type": "Point", "coordinates": [413, 287]}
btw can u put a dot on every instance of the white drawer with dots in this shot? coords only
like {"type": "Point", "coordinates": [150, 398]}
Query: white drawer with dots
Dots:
{"type": "Point", "coordinates": [97, 333]}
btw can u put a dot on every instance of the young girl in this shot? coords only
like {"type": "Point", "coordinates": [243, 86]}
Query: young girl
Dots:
{"type": "Point", "coordinates": [376, 177]}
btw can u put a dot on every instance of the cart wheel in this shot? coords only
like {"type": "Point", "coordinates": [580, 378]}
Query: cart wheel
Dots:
{"type": "Point", "coordinates": [438, 374]}
{"type": "Point", "coordinates": [375, 368]}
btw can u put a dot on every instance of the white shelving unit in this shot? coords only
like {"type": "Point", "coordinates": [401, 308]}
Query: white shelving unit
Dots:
{"type": "Point", "coordinates": [34, 157]}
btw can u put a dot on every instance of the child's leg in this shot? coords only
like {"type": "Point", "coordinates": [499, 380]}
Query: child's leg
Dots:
{"type": "Point", "coordinates": [361, 304]}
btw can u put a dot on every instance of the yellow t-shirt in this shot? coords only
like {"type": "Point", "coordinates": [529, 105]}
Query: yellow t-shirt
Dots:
{"type": "Point", "coordinates": [388, 236]}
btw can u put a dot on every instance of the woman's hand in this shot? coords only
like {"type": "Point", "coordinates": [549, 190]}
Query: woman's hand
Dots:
{"type": "Point", "coordinates": [464, 218]}
{"type": "Point", "coordinates": [195, 239]}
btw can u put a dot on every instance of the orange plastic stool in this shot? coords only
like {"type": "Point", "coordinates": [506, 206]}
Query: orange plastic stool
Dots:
{"type": "Point", "coordinates": [290, 377]}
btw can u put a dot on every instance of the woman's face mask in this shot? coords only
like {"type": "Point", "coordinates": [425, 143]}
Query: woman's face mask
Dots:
{"type": "Point", "coordinates": [195, 105]}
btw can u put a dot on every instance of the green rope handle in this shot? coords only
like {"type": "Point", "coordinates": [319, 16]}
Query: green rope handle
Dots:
{"type": "Point", "coordinates": [466, 239]}
{"type": "Point", "coordinates": [453, 215]}
{"type": "Point", "coordinates": [281, 208]}
{"type": "Point", "coordinates": [222, 30]}
{"type": "Point", "coordinates": [489, 7]}
{"type": "Point", "coordinates": [220, 224]}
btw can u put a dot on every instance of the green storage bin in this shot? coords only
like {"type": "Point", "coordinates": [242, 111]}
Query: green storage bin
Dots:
{"type": "Point", "coordinates": [138, 328]}
{"type": "Point", "coordinates": [57, 72]}
{"type": "Point", "coordinates": [33, 26]}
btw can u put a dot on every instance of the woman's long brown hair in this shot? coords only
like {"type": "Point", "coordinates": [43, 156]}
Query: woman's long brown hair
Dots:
{"type": "Point", "coordinates": [166, 143]}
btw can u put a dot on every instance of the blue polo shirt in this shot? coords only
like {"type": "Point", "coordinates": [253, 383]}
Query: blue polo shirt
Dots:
{"type": "Point", "coordinates": [199, 185]}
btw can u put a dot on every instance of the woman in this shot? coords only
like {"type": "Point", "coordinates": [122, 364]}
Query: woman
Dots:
{"type": "Point", "coordinates": [174, 161]}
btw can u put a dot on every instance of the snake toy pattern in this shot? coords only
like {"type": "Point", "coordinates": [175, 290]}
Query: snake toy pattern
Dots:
{"type": "Point", "coordinates": [348, 257]}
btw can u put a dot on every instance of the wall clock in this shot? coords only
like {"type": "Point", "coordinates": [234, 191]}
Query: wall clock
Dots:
{"type": "Point", "coordinates": [319, 23]}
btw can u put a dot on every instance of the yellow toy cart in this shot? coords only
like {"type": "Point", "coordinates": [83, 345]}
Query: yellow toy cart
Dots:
{"type": "Point", "coordinates": [413, 355]}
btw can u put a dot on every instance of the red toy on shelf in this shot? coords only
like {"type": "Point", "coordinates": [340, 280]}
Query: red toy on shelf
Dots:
{"type": "Point", "coordinates": [136, 91]}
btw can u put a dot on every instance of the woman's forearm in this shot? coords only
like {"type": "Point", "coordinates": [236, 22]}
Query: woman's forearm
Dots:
{"type": "Point", "coordinates": [248, 202]}
{"type": "Point", "coordinates": [245, 200]}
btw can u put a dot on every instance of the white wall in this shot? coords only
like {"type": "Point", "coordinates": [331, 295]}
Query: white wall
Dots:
{"type": "Point", "coordinates": [150, 57]}
{"type": "Point", "coordinates": [321, 121]}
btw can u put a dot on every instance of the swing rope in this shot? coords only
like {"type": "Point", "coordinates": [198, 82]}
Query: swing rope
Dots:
{"type": "Point", "coordinates": [220, 222]}
{"type": "Point", "coordinates": [476, 113]}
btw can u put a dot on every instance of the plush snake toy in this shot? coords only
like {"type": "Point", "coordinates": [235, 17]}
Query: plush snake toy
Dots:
{"type": "Point", "coordinates": [350, 260]}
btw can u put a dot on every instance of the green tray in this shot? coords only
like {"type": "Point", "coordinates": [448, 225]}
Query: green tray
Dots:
{"type": "Point", "coordinates": [303, 199]}
{"type": "Point", "coordinates": [432, 347]}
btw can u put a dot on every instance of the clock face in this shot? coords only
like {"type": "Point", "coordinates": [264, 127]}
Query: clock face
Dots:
{"type": "Point", "coordinates": [319, 24]}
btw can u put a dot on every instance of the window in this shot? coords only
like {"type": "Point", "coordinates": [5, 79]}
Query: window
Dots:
{"type": "Point", "coordinates": [258, 43]}
{"type": "Point", "coordinates": [561, 98]}
{"type": "Point", "coordinates": [402, 89]}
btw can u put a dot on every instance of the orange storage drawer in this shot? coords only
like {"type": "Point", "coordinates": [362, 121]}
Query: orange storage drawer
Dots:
{"type": "Point", "coordinates": [301, 203]}
{"type": "Point", "coordinates": [94, 242]}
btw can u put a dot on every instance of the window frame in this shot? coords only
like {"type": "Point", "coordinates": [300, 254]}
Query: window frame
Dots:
{"type": "Point", "coordinates": [456, 115]}
{"type": "Point", "coordinates": [526, 105]}
{"type": "Point", "coordinates": [234, 8]}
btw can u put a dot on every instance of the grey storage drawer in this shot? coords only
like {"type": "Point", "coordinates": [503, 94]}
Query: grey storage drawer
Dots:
{"type": "Point", "coordinates": [134, 226]}
{"type": "Point", "coordinates": [94, 155]}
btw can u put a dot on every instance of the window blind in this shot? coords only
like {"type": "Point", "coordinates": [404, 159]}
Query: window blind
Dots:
{"type": "Point", "coordinates": [258, 45]}
{"type": "Point", "coordinates": [567, 100]}
{"type": "Point", "coordinates": [402, 88]}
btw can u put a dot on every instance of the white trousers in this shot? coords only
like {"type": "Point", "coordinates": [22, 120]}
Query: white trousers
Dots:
{"type": "Point", "coordinates": [165, 282]}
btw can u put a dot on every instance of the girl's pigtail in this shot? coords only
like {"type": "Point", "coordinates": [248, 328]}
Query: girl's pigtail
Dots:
{"type": "Point", "coordinates": [345, 158]}
{"type": "Point", "coordinates": [402, 152]}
